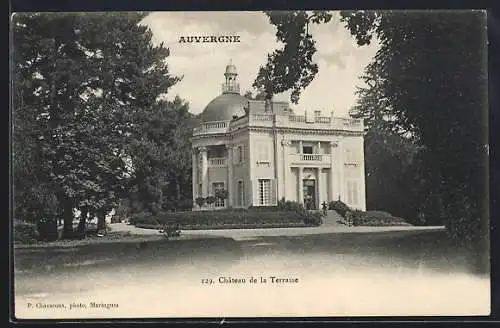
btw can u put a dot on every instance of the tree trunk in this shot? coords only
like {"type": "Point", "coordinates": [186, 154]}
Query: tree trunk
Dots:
{"type": "Point", "coordinates": [67, 220]}
{"type": "Point", "coordinates": [101, 221]}
{"type": "Point", "coordinates": [82, 225]}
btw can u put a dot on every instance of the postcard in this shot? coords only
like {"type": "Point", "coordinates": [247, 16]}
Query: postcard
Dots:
{"type": "Point", "coordinates": [228, 164]}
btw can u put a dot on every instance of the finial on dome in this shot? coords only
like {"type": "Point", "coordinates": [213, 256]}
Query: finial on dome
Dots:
{"type": "Point", "coordinates": [231, 68]}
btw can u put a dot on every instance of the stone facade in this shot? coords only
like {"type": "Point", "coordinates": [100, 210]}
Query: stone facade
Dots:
{"type": "Point", "coordinates": [265, 153]}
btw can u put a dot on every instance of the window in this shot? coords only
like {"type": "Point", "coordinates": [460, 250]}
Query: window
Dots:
{"type": "Point", "coordinates": [264, 192]}
{"type": "Point", "coordinates": [263, 154]}
{"type": "Point", "coordinates": [200, 190]}
{"type": "Point", "coordinates": [240, 154]}
{"type": "Point", "coordinates": [352, 192]}
{"type": "Point", "coordinates": [241, 193]}
{"type": "Point", "coordinates": [350, 157]}
{"type": "Point", "coordinates": [217, 186]}
{"type": "Point", "coordinates": [317, 113]}
{"type": "Point", "coordinates": [307, 149]}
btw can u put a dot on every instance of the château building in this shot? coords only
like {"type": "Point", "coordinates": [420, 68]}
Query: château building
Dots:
{"type": "Point", "coordinates": [262, 152]}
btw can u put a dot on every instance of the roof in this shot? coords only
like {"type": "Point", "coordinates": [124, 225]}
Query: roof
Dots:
{"type": "Point", "coordinates": [224, 107]}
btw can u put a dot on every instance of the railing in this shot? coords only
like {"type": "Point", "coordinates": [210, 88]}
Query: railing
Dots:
{"type": "Point", "coordinates": [297, 118]}
{"type": "Point", "coordinates": [262, 117]}
{"type": "Point", "coordinates": [323, 119]}
{"type": "Point", "coordinates": [231, 87]}
{"type": "Point", "coordinates": [298, 121]}
{"type": "Point", "coordinates": [310, 157]}
{"type": "Point", "coordinates": [216, 125]}
{"type": "Point", "coordinates": [349, 122]}
{"type": "Point", "coordinates": [219, 161]}
{"type": "Point", "coordinates": [211, 127]}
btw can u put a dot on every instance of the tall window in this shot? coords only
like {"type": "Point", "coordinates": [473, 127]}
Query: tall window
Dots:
{"type": "Point", "coordinates": [264, 192]}
{"type": "Point", "coordinates": [350, 156]}
{"type": "Point", "coordinates": [217, 186]}
{"type": "Point", "coordinates": [240, 154]}
{"type": "Point", "coordinates": [263, 152]}
{"type": "Point", "coordinates": [200, 190]}
{"type": "Point", "coordinates": [241, 193]}
{"type": "Point", "coordinates": [352, 192]}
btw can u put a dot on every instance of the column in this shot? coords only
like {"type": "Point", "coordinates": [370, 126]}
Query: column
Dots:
{"type": "Point", "coordinates": [333, 180]}
{"type": "Point", "coordinates": [204, 171]}
{"type": "Point", "coordinates": [340, 169]}
{"type": "Point", "coordinates": [318, 187]}
{"type": "Point", "coordinates": [230, 177]}
{"type": "Point", "coordinates": [300, 147]}
{"type": "Point", "coordinates": [286, 167]}
{"type": "Point", "coordinates": [195, 176]}
{"type": "Point", "coordinates": [301, 186]}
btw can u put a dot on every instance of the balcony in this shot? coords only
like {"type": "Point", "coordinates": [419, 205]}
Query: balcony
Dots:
{"type": "Point", "coordinates": [281, 121]}
{"type": "Point", "coordinates": [211, 127]}
{"type": "Point", "coordinates": [217, 162]}
{"type": "Point", "coordinates": [230, 88]}
{"type": "Point", "coordinates": [309, 159]}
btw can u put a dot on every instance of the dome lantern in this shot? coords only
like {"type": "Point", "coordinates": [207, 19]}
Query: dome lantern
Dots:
{"type": "Point", "coordinates": [231, 86]}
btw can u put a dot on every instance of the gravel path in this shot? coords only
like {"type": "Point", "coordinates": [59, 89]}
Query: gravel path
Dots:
{"type": "Point", "coordinates": [243, 234]}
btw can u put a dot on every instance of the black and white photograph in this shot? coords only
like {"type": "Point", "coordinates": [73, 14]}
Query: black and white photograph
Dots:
{"type": "Point", "coordinates": [230, 164]}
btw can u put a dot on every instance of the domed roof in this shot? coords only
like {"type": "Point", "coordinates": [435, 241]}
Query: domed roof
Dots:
{"type": "Point", "coordinates": [224, 107]}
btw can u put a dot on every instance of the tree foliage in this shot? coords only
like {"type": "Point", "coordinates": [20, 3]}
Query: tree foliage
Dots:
{"type": "Point", "coordinates": [84, 84]}
{"type": "Point", "coordinates": [428, 82]}
{"type": "Point", "coordinates": [290, 68]}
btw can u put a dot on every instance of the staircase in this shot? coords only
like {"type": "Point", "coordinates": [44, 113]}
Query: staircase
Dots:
{"type": "Point", "coordinates": [331, 219]}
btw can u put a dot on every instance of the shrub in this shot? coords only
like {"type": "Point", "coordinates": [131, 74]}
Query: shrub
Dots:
{"type": "Point", "coordinates": [184, 205]}
{"type": "Point", "coordinates": [170, 230]}
{"type": "Point", "coordinates": [225, 218]}
{"type": "Point", "coordinates": [47, 229]}
{"type": "Point", "coordinates": [263, 208]}
{"type": "Point", "coordinates": [312, 218]}
{"type": "Point", "coordinates": [340, 207]}
{"type": "Point", "coordinates": [25, 233]}
{"type": "Point", "coordinates": [210, 200]}
{"type": "Point", "coordinates": [200, 201]}
{"type": "Point", "coordinates": [141, 217]}
{"type": "Point", "coordinates": [293, 206]}
{"type": "Point", "coordinates": [374, 218]}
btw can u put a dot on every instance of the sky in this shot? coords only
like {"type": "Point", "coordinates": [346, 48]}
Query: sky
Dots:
{"type": "Point", "coordinates": [202, 65]}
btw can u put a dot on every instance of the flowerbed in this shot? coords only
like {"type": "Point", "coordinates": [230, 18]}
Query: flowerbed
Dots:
{"type": "Point", "coordinates": [374, 218]}
{"type": "Point", "coordinates": [227, 219]}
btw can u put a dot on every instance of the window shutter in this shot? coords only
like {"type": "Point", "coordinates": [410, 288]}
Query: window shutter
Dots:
{"type": "Point", "coordinates": [235, 155]}
{"type": "Point", "coordinates": [274, 200]}
{"type": "Point", "coordinates": [250, 198]}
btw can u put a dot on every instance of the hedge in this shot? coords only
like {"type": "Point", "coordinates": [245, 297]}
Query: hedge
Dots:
{"type": "Point", "coordinates": [25, 233]}
{"type": "Point", "coordinates": [340, 207]}
{"type": "Point", "coordinates": [228, 219]}
{"type": "Point", "coordinates": [374, 218]}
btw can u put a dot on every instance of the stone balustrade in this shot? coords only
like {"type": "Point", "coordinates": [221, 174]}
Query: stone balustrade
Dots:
{"type": "Point", "coordinates": [285, 121]}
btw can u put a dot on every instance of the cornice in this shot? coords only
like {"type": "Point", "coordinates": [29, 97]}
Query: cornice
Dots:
{"type": "Point", "coordinates": [231, 134]}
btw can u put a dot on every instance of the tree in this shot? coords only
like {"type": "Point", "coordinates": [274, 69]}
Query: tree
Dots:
{"type": "Point", "coordinates": [436, 84]}
{"type": "Point", "coordinates": [162, 158]}
{"type": "Point", "coordinates": [258, 96]}
{"type": "Point", "coordinates": [86, 81]}
{"type": "Point", "coordinates": [290, 68]}
{"type": "Point", "coordinates": [431, 73]}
